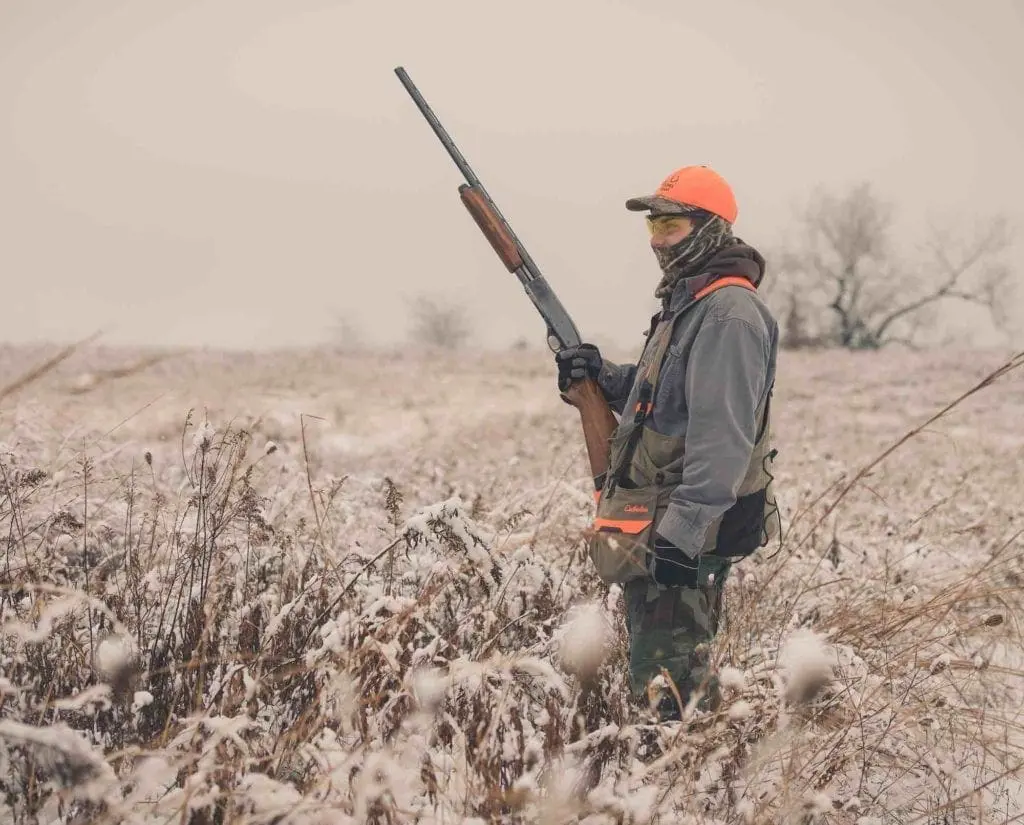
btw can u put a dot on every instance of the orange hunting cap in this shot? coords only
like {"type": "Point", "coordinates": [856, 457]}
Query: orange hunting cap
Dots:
{"type": "Point", "coordinates": [688, 188]}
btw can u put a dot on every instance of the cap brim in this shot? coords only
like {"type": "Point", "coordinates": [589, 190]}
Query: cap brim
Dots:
{"type": "Point", "coordinates": [657, 206]}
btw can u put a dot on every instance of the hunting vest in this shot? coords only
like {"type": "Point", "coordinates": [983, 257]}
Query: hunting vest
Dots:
{"type": "Point", "coordinates": [645, 466]}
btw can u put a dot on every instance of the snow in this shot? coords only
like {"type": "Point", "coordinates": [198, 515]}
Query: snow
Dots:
{"type": "Point", "coordinates": [806, 663]}
{"type": "Point", "coordinates": [49, 614]}
{"type": "Point", "coordinates": [287, 666]}
{"type": "Point", "coordinates": [731, 678]}
{"type": "Point", "coordinates": [62, 753]}
{"type": "Point", "coordinates": [203, 437]}
{"type": "Point", "coordinates": [112, 655]}
{"type": "Point", "coordinates": [740, 710]}
{"type": "Point", "coordinates": [584, 641]}
{"type": "Point", "coordinates": [430, 687]}
{"type": "Point", "coordinates": [92, 699]}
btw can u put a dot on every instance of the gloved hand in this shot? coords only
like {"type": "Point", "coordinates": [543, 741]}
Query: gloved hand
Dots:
{"type": "Point", "coordinates": [670, 566]}
{"type": "Point", "coordinates": [577, 363]}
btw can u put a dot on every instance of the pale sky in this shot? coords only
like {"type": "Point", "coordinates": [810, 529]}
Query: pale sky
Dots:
{"type": "Point", "coordinates": [242, 173]}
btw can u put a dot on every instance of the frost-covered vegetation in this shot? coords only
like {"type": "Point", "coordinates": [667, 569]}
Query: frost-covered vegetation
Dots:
{"type": "Point", "coordinates": [354, 588]}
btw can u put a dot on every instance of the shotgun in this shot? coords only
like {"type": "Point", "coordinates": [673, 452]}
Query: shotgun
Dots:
{"type": "Point", "coordinates": [596, 416]}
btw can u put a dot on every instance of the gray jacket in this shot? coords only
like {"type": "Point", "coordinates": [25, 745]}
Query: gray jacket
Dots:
{"type": "Point", "coordinates": [716, 375]}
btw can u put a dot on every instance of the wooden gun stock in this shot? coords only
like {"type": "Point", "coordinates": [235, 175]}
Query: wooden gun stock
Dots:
{"type": "Point", "coordinates": [492, 227]}
{"type": "Point", "coordinates": [598, 422]}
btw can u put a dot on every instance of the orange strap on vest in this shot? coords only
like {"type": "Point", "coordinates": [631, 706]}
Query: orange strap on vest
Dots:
{"type": "Point", "coordinates": [728, 280]}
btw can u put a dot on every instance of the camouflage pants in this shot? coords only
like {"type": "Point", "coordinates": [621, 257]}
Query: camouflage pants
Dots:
{"type": "Point", "coordinates": [671, 628]}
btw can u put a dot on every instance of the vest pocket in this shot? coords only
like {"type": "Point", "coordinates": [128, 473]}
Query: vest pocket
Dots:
{"type": "Point", "coordinates": [742, 529]}
{"type": "Point", "coordinates": [754, 519]}
{"type": "Point", "coordinates": [622, 534]}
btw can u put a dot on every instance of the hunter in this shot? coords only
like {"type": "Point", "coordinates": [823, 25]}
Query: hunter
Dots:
{"type": "Point", "coordinates": [696, 434]}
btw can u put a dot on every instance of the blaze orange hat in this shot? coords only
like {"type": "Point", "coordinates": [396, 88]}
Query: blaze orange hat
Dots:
{"type": "Point", "coordinates": [686, 189]}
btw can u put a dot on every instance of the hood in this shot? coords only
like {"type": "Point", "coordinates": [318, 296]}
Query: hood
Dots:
{"type": "Point", "coordinates": [736, 258]}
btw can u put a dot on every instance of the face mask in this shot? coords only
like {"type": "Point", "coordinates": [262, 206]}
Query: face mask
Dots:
{"type": "Point", "coordinates": [685, 258]}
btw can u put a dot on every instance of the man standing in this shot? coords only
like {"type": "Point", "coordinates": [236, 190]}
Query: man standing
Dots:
{"type": "Point", "coordinates": [700, 436]}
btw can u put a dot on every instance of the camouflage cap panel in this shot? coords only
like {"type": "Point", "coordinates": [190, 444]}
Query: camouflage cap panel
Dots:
{"type": "Point", "coordinates": [659, 206]}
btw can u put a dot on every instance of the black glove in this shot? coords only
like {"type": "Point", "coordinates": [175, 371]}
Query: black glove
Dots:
{"type": "Point", "coordinates": [577, 363]}
{"type": "Point", "coordinates": [670, 566]}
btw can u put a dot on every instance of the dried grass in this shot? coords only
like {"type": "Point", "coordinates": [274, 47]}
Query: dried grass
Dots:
{"type": "Point", "coordinates": [203, 645]}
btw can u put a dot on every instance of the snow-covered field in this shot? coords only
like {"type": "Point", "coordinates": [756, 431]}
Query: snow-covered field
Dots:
{"type": "Point", "coordinates": [353, 588]}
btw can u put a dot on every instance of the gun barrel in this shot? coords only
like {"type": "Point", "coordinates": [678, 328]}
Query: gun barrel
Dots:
{"type": "Point", "coordinates": [562, 331]}
{"type": "Point", "coordinates": [531, 271]}
{"type": "Point", "coordinates": [439, 130]}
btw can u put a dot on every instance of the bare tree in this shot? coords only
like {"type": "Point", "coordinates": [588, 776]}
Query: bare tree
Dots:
{"type": "Point", "coordinates": [846, 286]}
{"type": "Point", "coordinates": [796, 325]}
{"type": "Point", "coordinates": [437, 323]}
{"type": "Point", "coordinates": [346, 335]}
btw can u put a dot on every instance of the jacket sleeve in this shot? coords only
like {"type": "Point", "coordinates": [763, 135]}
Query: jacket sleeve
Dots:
{"type": "Point", "coordinates": [724, 383]}
{"type": "Point", "coordinates": [615, 381]}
